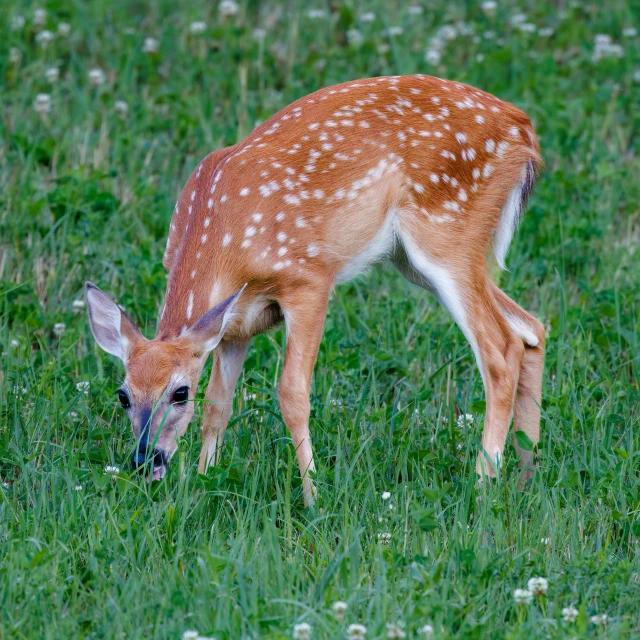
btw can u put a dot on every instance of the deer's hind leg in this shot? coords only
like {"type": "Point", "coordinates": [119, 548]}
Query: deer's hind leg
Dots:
{"type": "Point", "coordinates": [465, 289]}
{"type": "Point", "coordinates": [529, 391]}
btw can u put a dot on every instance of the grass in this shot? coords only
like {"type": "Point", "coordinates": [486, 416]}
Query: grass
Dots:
{"type": "Point", "coordinates": [87, 194]}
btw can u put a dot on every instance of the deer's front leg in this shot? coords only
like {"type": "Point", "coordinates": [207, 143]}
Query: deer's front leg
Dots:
{"type": "Point", "coordinates": [227, 365]}
{"type": "Point", "coordinates": [304, 318]}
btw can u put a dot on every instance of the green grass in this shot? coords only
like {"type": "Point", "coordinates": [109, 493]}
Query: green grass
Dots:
{"type": "Point", "coordinates": [87, 195]}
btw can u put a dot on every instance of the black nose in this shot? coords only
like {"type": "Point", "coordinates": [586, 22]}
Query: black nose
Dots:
{"type": "Point", "coordinates": [143, 455]}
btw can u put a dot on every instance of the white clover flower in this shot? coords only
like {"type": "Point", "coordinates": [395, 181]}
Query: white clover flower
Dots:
{"type": "Point", "coordinates": [315, 14]}
{"type": "Point", "coordinates": [17, 23]}
{"type": "Point", "coordinates": [121, 108]}
{"type": "Point", "coordinates": [370, 16]}
{"type": "Point", "coordinates": [570, 614]}
{"type": "Point", "coordinates": [538, 586]}
{"type": "Point", "coordinates": [523, 596]}
{"type": "Point", "coordinates": [546, 32]}
{"type": "Point", "coordinates": [426, 631]}
{"type": "Point", "coordinates": [615, 51]}
{"type": "Point", "coordinates": [604, 47]}
{"type": "Point", "coordinates": [14, 55]}
{"type": "Point", "coordinates": [395, 31]}
{"type": "Point", "coordinates": [64, 29]}
{"type": "Point", "coordinates": [338, 609]}
{"type": "Point", "coordinates": [629, 32]}
{"type": "Point", "coordinates": [355, 37]}
{"type": "Point", "coordinates": [73, 415]}
{"type": "Point", "coordinates": [396, 630]}
{"type": "Point", "coordinates": [526, 27]}
{"type": "Point", "coordinates": [489, 8]}
{"type": "Point", "coordinates": [517, 18]}
{"type": "Point", "coordinates": [228, 8]}
{"type": "Point", "coordinates": [6, 485]}
{"type": "Point", "coordinates": [467, 418]}
{"type": "Point", "coordinates": [601, 619]}
{"type": "Point", "coordinates": [83, 386]}
{"type": "Point", "coordinates": [190, 634]}
{"type": "Point", "coordinates": [384, 538]}
{"type": "Point", "coordinates": [58, 327]}
{"type": "Point", "coordinates": [196, 28]}
{"type": "Point", "coordinates": [415, 10]}
{"type": "Point", "coordinates": [385, 495]}
{"type": "Point", "coordinates": [15, 343]}
{"type": "Point", "coordinates": [150, 46]}
{"type": "Point", "coordinates": [39, 17]}
{"type": "Point", "coordinates": [44, 38]}
{"type": "Point", "coordinates": [112, 471]}
{"type": "Point", "coordinates": [302, 631]}
{"type": "Point", "coordinates": [432, 56]}
{"type": "Point", "coordinates": [383, 48]}
{"type": "Point", "coordinates": [52, 74]}
{"type": "Point", "coordinates": [96, 77]}
{"type": "Point", "coordinates": [356, 632]}
{"type": "Point", "coordinates": [78, 487]}
{"type": "Point", "coordinates": [447, 32]}
{"type": "Point", "coordinates": [489, 35]}
{"type": "Point", "coordinates": [78, 305]}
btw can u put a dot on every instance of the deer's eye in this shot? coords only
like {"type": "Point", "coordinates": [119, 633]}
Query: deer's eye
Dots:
{"type": "Point", "coordinates": [181, 395]}
{"type": "Point", "coordinates": [124, 399]}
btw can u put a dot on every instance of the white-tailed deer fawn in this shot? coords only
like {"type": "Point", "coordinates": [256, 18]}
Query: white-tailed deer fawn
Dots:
{"type": "Point", "coordinates": [428, 173]}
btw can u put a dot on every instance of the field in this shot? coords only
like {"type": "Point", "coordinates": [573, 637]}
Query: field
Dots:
{"type": "Point", "coordinates": [92, 160]}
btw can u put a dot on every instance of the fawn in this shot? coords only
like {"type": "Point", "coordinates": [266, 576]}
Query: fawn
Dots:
{"type": "Point", "coordinates": [422, 171]}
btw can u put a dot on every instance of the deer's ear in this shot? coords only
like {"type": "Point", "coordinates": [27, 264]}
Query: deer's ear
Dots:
{"type": "Point", "coordinates": [111, 327]}
{"type": "Point", "coordinates": [209, 330]}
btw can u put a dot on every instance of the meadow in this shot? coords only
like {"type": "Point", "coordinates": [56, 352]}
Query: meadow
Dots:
{"type": "Point", "coordinates": [106, 109]}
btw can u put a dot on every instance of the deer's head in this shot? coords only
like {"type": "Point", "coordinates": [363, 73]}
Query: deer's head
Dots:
{"type": "Point", "coordinates": [161, 375]}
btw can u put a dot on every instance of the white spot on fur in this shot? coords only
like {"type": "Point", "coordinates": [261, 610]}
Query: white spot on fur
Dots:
{"type": "Point", "coordinates": [450, 205]}
{"type": "Point", "coordinates": [190, 305]}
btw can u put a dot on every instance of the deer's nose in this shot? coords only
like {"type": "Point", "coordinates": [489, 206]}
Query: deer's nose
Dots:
{"type": "Point", "coordinates": [144, 456]}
